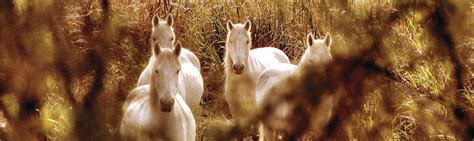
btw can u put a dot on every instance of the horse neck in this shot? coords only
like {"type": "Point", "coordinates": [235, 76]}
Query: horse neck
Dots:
{"type": "Point", "coordinates": [301, 66]}
{"type": "Point", "coordinates": [304, 58]}
{"type": "Point", "coordinates": [251, 64]}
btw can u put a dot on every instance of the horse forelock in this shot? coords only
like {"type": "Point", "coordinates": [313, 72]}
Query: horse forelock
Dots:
{"type": "Point", "coordinates": [161, 25]}
{"type": "Point", "coordinates": [167, 56]}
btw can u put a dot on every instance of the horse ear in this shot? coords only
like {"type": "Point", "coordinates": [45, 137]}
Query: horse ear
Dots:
{"type": "Point", "coordinates": [155, 20]}
{"type": "Point", "coordinates": [327, 40]}
{"type": "Point", "coordinates": [310, 39]}
{"type": "Point", "coordinates": [169, 20]}
{"type": "Point", "coordinates": [156, 49]}
{"type": "Point", "coordinates": [177, 48]}
{"type": "Point", "coordinates": [230, 25]}
{"type": "Point", "coordinates": [247, 25]}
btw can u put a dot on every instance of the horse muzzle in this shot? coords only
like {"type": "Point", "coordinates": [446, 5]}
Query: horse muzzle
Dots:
{"type": "Point", "coordinates": [166, 105]}
{"type": "Point", "coordinates": [238, 68]}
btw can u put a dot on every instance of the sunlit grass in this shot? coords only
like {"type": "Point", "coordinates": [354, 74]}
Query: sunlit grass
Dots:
{"type": "Point", "coordinates": [56, 112]}
{"type": "Point", "coordinates": [13, 108]}
{"type": "Point", "coordinates": [56, 115]}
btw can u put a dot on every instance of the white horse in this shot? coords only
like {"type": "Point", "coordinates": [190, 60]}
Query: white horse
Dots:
{"type": "Point", "coordinates": [242, 67]}
{"type": "Point", "coordinates": [156, 111]}
{"type": "Point", "coordinates": [163, 34]}
{"type": "Point", "coordinates": [317, 52]}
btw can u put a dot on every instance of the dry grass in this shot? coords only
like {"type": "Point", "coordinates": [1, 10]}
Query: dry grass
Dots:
{"type": "Point", "coordinates": [420, 106]}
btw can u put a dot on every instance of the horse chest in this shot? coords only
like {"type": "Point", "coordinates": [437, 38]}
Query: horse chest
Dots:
{"type": "Point", "coordinates": [166, 127]}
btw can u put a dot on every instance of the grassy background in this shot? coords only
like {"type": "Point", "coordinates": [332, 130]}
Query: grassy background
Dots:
{"type": "Point", "coordinates": [67, 66]}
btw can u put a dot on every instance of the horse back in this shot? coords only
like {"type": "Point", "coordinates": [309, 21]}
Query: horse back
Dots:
{"type": "Point", "coordinates": [263, 58]}
{"type": "Point", "coordinates": [189, 57]}
{"type": "Point", "coordinates": [275, 53]}
{"type": "Point", "coordinates": [192, 85]}
{"type": "Point", "coordinates": [270, 76]}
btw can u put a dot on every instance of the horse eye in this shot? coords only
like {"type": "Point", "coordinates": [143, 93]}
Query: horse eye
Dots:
{"type": "Point", "coordinates": [171, 39]}
{"type": "Point", "coordinates": [177, 72]}
{"type": "Point", "coordinates": [156, 71]}
{"type": "Point", "coordinates": [154, 39]}
{"type": "Point", "coordinates": [247, 42]}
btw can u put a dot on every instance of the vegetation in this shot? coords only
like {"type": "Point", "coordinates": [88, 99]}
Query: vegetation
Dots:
{"type": "Point", "coordinates": [402, 69]}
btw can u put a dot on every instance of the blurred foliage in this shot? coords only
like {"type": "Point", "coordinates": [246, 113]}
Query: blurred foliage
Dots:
{"type": "Point", "coordinates": [402, 69]}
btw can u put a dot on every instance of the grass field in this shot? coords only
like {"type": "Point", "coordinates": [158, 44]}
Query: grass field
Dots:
{"type": "Point", "coordinates": [66, 67]}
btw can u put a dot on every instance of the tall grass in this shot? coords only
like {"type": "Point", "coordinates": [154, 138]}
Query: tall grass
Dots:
{"type": "Point", "coordinates": [67, 66]}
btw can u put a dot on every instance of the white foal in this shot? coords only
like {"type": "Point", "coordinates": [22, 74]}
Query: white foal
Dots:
{"type": "Point", "coordinates": [156, 111]}
{"type": "Point", "coordinates": [317, 52]}
{"type": "Point", "coordinates": [163, 34]}
{"type": "Point", "coordinates": [242, 67]}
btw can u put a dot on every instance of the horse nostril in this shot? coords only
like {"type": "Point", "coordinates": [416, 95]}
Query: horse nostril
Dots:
{"type": "Point", "coordinates": [172, 103]}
